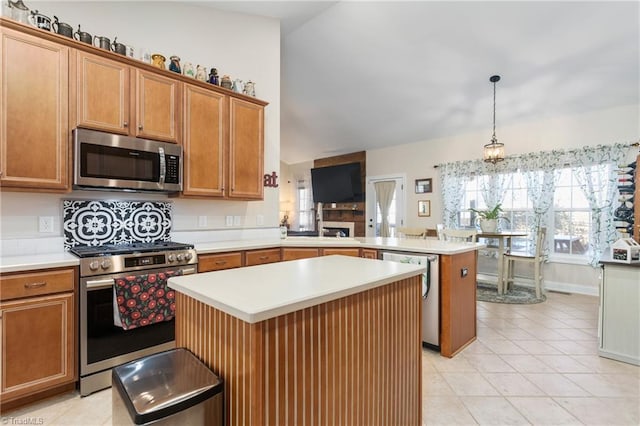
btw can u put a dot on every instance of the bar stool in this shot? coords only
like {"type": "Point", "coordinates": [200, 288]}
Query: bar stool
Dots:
{"type": "Point", "coordinates": [537, 258]}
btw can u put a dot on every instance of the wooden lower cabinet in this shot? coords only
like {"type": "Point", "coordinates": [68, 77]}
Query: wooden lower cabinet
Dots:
{"type": "Point", "coordinates": [299, 253]}
{"type": "Point", "coordinates": [457, 302]}
{"type": "Point", "coordinates": [260, 257]}
{"type": "Point", "coordinates": [369, 253]}
{"type": "Point", "coordinates": [355, 252]}
{"type": "Point", "coordinates": [218, 262]}
{"type": "Point", "coordinates": [38, 336]}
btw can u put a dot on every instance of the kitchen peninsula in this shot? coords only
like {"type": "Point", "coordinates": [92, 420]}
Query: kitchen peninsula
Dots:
{"type": "Point", "coordinates": [314, 341]}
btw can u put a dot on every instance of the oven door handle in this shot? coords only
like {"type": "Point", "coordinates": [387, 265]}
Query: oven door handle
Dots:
{"type": "Point", "coordinates": [98, 284]}
{"type": "Point", "coordinates": [188, 271]}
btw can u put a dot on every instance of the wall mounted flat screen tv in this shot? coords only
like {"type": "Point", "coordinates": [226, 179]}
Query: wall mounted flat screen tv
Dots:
{"type": "Point", "coordinates": [336, 184]}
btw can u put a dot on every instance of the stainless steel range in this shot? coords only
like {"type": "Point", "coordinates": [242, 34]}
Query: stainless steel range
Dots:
{"type": "Point", "coordinates": [104, 345]}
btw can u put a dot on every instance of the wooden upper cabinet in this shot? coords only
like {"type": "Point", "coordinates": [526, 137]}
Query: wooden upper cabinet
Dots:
{"type": "Point", "coordinates": [157, 107]}
{"type": "Point", "coordinates": [203, 142]}
{"type": "Point", "coordinates": [34, 127]}
{"type": "Point", "coordinates": [102, 94]}
{"type": "Point", "coordinates": [246, 149]}
{"type": "Point", "coordinates": [113, 97]}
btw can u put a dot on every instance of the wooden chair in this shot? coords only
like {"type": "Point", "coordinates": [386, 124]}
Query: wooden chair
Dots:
{"type": "Point", "coordinates": [537, 258]}
{"type": "Point", "coordinates": [460, 235]}
{"type": "Point", "coordinates": [411, 233]}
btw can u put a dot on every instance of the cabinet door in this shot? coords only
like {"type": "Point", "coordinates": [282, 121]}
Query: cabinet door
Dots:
{"type": "Point", "coordinates": [369, 253]}
{"type": "Point", "coordinates": [37, 344]}
{"type": "Point", "coordinates": [34, 128]}
{"type": "Point", "coordinates": [203, 142]}
{"type": "Point", "coordinates": [246, 149]}
{"type": "Point", "coordinates": [157, 107]}
{"type": "Point", "coordinates": [102, 94]}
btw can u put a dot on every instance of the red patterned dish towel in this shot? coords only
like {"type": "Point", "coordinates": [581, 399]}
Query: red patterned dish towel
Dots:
{"type": "Point", "coordinates": [144, 299]}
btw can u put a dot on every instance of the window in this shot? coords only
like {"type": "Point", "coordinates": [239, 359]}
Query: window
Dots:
{"type": "Point", "coordinates": [569, 216]}
{"type": "Point", "coordinates": [306, 221]}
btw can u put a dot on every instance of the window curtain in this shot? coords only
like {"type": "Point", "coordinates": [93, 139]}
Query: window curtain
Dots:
{"type": "Point", "coordinates": [541, 171]}
{"type": "Point", "coordinates": [453, 180]}
{"type": "Point", "coordinates": [384, 196]}
{"type": "Point", "coordinates": [595, 172]}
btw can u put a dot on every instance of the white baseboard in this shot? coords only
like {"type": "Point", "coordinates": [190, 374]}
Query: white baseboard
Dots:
{"type": "Point", "coordinates": [549, 285]}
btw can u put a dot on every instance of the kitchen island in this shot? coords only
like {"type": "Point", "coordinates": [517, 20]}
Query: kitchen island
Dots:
{"type": "Point", "coordinates": [314, 341]}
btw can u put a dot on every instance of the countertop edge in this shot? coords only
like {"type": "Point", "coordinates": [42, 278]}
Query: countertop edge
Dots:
{"type": "Point", "coordinates": [280, 309]}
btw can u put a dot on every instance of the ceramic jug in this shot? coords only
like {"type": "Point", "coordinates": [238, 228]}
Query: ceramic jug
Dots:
{"type": "Point", "coordinates": [158, 60]}
{"type": "Point", "coordinates": [188, 70]}
{"type": "Point", "coordinates": [39, 20]}
{"type": "Point", "coordinates": [213, 76]}
{"type": "Point", "coordinates": [175, 64]}
{"type": "Point", "coordinates": [249, 88]}
{"type": "Point", "coordinates": [237, 85]}
{"type": "Point", "coordinates": [103, 42]}
{"type": "Point", "coordinates": [226, 82]}
{"type": "Point", "coordinates": [19, 11]}
{"type": "Point", "coordinates": [83, 36]}
{"type": "Point", "coordinates": [201, 73]}
{"type": "Point", "coordinates": [62, 28]}
{"type": "Point", "coordinates": [119, 48]}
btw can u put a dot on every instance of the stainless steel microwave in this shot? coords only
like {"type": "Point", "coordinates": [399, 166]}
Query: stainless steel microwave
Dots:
{"type": "Point", "coordinates": [116, 162]}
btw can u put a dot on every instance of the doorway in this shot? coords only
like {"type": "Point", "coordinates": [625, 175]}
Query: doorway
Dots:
{"type": "Point", "coordinates": [396, 211]}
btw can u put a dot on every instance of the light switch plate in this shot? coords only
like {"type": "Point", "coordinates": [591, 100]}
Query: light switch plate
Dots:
{"type": "Point", "coordinates": [228, 220]}
{"type": "Point", "coordinates": [202, 221]}
{"type": "Point", "coordinates": [260, 220]}
{"type": "Point", "coordinates": [236, 221]}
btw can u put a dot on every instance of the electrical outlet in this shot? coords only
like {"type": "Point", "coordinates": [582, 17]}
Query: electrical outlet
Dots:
{"type": "Point", "coordinates": [45, 224]}
{"type": "Point", "coordinates": [236, 221]}
{"type": "Point", "coordinates": [202, 221]}
{"type": "Point", "coordinates": [260, 220]}
{"type": "Point", "coordinates": [228, 220]}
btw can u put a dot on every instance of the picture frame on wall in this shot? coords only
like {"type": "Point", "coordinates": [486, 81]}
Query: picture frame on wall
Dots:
{"type": "Point", "coordinates": [424, 208]}
{"type": "Point", "coordinates": [424, 186]}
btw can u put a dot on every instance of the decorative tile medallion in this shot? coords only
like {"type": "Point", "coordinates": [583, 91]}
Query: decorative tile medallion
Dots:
{"type": "Point", "coordinates": [96, 223]}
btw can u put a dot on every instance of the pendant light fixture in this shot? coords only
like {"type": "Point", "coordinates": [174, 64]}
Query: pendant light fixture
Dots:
{"type": "Point", "coordinates": [494, 151]}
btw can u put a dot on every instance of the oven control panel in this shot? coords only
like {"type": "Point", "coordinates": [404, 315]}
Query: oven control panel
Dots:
{"type": "Point", "coordinates": [102, 265]}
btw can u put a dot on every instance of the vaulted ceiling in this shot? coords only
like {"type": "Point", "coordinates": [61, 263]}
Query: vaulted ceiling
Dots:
{"type": "Point", "coordinates": [360, 75]}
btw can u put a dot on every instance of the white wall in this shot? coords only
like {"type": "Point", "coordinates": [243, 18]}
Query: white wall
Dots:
{"type": "Point", "coordinates": [243, 46]}
{"type": "Point", "coordinates": [621, 124]}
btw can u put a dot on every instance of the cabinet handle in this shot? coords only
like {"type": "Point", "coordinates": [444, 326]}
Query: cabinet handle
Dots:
{"type": "Point", "coordinates": [263, 257]}
{"type": "Point", "coordinates": [139, 126]}
{"type": "Point", "coordinates": [125, 124]}
{"type": "Point", "coordinates": [35, 285]}
{"type": "Point", "coordinates": [221, 262]}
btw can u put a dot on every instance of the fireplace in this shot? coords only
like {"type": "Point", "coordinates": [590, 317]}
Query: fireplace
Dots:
{"type": "Point", "coordinates": [344, 229]}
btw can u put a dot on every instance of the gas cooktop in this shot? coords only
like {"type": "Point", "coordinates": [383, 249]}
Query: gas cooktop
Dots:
{"type": "Point", "coordinates": [116, 249]}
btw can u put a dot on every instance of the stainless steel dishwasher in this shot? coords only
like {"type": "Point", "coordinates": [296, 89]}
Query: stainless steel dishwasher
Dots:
{"type": "Point", "coordinates": [430, 292]}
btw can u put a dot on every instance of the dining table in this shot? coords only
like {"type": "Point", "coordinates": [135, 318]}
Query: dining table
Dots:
{"type": "Point", "coordinates": [504, 244]}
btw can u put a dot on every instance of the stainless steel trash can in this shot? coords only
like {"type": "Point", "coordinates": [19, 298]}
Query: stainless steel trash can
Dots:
{"type": "Point", "coordinates": [167, 388]}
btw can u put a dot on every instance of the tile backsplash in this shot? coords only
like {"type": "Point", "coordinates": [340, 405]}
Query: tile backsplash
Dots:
{"type": "Point", "coordinates": [95, 222]}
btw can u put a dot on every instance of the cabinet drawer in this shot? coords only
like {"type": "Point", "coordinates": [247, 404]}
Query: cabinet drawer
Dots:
{"type": "Point", "coordinates": [36, 283]}
{"type": "Point", "coordinates": [343, 251]}
{"type": "Point", "coordinates": [299, 253]}
{"type": "Point", "coordinates": [217, 262]}
{"type": "Point", "coordinates": [259, 257]}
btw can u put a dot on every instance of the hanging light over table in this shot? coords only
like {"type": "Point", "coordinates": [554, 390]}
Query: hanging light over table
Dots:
{"type": "Point", "coordinates": [494, 151]}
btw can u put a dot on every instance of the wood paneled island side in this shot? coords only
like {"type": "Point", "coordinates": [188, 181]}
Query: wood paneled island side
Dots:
{"type": "Point", "coordinates": [317, 341]}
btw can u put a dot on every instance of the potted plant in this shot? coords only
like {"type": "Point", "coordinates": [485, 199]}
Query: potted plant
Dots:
{"type": "Point", "coordinates": [488, 218]}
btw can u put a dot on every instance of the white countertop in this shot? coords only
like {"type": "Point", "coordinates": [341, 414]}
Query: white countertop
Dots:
{"type": "Point", "coordinates": [37, 261]}
{"type": "Point", "coordinates": [258, 293]}
{"type": "Point", "coordinates": [432, 246]}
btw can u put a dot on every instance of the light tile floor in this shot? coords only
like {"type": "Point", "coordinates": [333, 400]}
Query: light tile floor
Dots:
{"type": "Point", "coordinates": [532, 364]}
